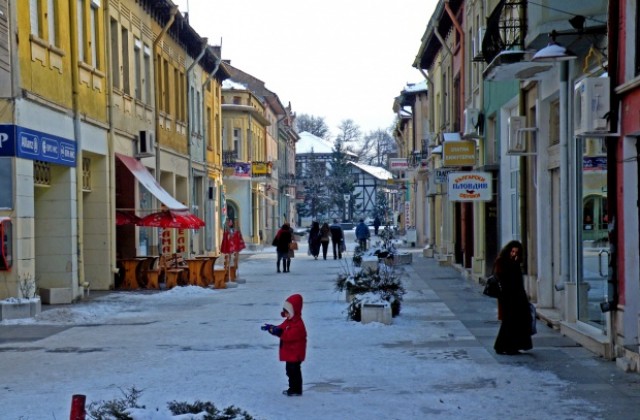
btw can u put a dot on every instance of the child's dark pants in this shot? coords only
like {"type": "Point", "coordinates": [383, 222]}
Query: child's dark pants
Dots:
{"type": "Point", "coordinates": [294, 374]}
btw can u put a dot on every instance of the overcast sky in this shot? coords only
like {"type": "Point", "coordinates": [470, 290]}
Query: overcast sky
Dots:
{"type": "Point", "coordinates": [335, 59]}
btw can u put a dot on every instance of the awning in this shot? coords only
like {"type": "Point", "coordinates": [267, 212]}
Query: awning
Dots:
{"type": "Point", "coordinates": [149, 182]}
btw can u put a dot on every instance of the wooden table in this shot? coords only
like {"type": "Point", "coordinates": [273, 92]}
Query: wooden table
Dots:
{"type": "Point", "coordinates": [130, 267]}
{"type": "Point", "coordinates": [172, 275]}
{"type": "Point", "coordinates": [195, 271]}
{"type": "Point", "coordinates": [207, 269]}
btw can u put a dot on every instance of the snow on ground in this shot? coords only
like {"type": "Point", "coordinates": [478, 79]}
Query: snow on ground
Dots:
{"type": "Point", "coordinates": [190, 344]}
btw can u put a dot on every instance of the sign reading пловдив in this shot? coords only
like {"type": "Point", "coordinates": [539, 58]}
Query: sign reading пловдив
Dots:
{"type": "Point", "coordinates": [469, 186]}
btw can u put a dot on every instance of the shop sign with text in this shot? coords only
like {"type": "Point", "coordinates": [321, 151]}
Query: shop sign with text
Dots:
{"type": "Point", "coordinates": [459, 153]}
{"type": "Point", "coordinates": [470, 186]}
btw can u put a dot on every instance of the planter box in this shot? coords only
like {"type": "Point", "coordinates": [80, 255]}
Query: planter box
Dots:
{"type": "Point", "coordinates": [348, 295]}
{"type": "Point", "coordinates": [369, 263]}
{"type": "Point", "coordinates": [376, 312]}
{"type": "Point", "coordinates": [56, 295]}
{"type": "Point", "coordinates": [15, 310]}
{"type": "Point", "coordinates": [402, 259]}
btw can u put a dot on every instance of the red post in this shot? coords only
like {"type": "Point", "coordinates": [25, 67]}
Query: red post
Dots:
{"type": "Point", "coordinates": [77, 407]}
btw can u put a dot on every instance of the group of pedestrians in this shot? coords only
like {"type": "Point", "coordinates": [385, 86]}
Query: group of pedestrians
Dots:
{"type": "Point", "coordinates": [321, 236]}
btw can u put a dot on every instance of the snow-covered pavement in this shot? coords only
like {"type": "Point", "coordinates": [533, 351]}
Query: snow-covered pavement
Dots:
{"type": "Point", "coordinates": [190, 344]}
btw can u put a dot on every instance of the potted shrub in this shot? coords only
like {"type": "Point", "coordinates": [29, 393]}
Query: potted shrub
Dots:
{"type": "Point", "coordinates": [371, 286]}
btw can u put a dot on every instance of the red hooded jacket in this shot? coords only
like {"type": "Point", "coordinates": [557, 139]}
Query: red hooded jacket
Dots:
{"type": "Point", "coordinates": [293, 340]}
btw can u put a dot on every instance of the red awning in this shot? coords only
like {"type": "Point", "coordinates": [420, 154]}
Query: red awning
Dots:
{"type": "Point", "coordinates": [149, 182]}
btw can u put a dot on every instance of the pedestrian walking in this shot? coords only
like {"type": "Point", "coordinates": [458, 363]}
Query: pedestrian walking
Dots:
{"type": "Point", "coordinates": [362, 234]}
{"type": "Point", "coordinates": [376, 225]}
{"type": "Point", "coordinates": [293, 342]}
{"type": "Point", "coordinates": [325, 237]}
{"type": "Point", "coordinates": [515, 328]}
{"type": "Point", "coordinates": [314, 240]}
{"type": "Point", "coordinates": [282, 242]}
{"type": "Point", "coordinates": [337, 239]}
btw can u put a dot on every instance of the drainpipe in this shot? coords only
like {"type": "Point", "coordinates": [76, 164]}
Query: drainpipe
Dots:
{"type": "Point", "coordinates": [205, 42]}
{"type": "Point", "coordinates": [111, 187]}
{"type": "Point", "coordinates": [214, 230]}
{"type": "Point", "coordinates": [564, 174]}
{"type": "Point", "coordinates": [77, 133]}
{"type": "Point", "coordinates": [156, 75]}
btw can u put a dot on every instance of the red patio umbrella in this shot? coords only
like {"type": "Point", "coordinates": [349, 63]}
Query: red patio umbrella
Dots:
{"type": "Point", "coordinates": [172, 219]}
{"type": "Point", "coordinates": [126, 218]}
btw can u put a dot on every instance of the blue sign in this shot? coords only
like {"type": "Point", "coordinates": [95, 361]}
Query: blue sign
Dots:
{"type": "Point", "coordinates": [35, 145]}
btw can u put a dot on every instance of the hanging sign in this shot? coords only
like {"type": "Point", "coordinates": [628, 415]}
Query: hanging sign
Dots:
{"type": "Point", "coordinates": [470, 186]}
{"type": "Point", "coordinates": [459, 153]}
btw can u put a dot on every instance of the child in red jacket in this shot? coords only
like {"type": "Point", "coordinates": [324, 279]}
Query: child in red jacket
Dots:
{"type": "Point", "coordinates": [293, 342]}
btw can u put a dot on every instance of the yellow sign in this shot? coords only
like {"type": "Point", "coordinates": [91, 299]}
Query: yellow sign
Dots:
{"type": "Point", "coordinates": [459, 153]}
{"type": "Point", "coordinates": [261, 168]}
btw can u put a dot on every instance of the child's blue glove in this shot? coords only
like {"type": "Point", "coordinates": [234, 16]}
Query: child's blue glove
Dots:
{"type": "Point", "coordinates": [272, 329]}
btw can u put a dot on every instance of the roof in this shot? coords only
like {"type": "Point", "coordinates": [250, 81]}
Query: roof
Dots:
{"type": "Point", "coordinates": [310, 143]}
{"type": "Point", "coordinates": [375, 171]}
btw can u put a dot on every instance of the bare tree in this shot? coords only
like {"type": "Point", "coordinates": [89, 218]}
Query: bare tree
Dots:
{"type": "Point", "coordinates": [312, 124]}
{"type": "Point", "coordinates": [376, 148]}
{"type": "Point", "coordinates": [349, 136]}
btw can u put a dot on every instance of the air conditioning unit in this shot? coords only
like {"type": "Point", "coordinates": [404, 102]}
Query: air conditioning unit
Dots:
{"type": "Point", "coordinates": [477, 44]}
{"type": "Point", "coordinates": [145, 144]}
{"type": "Point", "coordinates": [471, 118]}
{"type": "Point", "coordinates": [590, 106]}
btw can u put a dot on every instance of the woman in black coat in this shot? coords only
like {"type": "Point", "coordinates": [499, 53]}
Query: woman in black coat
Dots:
{"type": "Point", "coordinates": [515, 330]}
{"type": "Point", "coordinates": [281, 242]}
{"type": "Point", "coordinates": [314, 240]}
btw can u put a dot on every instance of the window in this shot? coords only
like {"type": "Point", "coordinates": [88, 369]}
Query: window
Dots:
{"type": "Point", "coordinates": [94, 30]}
{"type": "Point", "coordinates": [198, 113]}
{"type": "Point", "coordinates": [52, 24]}
{"type": "Point", "coordinates": [34, 14]}
{"type": "Point", "coordinates": [166, 85]}
{"type": "Point", "coordinates": [146, 81]}
{"type": "Point", "coordinates": [176, 93]}
{"type": "Point", "coordinates": [126, 82]}
{"type": "Point", "coordinates": [82, 49]}
{"type": "Point", "coordinates": [115, 56]}
{"type": "Point", "coordinates": [637, 43]}
{"type": "Point", "coordinates": [137, 68]}
{"type": "Point", "coordinates": [236, 141]}
{"type": "Point", "coordinates": [554, 123]}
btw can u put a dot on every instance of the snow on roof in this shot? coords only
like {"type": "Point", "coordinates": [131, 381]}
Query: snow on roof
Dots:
{"type": "Point", "coordinates": [310, 143]}
{"type": "Point", "coordinates": [375, 171]}
{"type": "Point", "coordinates": [230, 84]}
{"type": "Point", "coordinates": [416, 87]}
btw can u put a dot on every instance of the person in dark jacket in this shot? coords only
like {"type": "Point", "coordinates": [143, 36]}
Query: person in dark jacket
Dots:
{"type": "Point", "coordinates": [337, 239]}
{"type": "Point", "coordinates": [376, 225]}
{"type": "Point", "coordinates": [362, 234]}
{"type": "Point", "coordinates": [293, 342]}
{"type": "Point", "coordinates": [325, 237]}
{"type": "Point", "coordinates": [314, 240]}
{"type": "Point", "coordinates": [281, 242]}
{"type": "Point", "coordinates": [515, 329]}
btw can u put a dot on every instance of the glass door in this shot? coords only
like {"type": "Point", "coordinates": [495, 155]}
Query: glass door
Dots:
{"type": "Point", "coordinates": [593, 231]}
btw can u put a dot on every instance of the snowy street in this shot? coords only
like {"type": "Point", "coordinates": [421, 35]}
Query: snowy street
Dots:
{"type": "Point", "coordinates": [436, 361]}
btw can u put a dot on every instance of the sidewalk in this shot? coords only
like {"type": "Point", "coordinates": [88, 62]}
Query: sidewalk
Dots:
{"type": "Point", "coordinates": [590, 376]}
